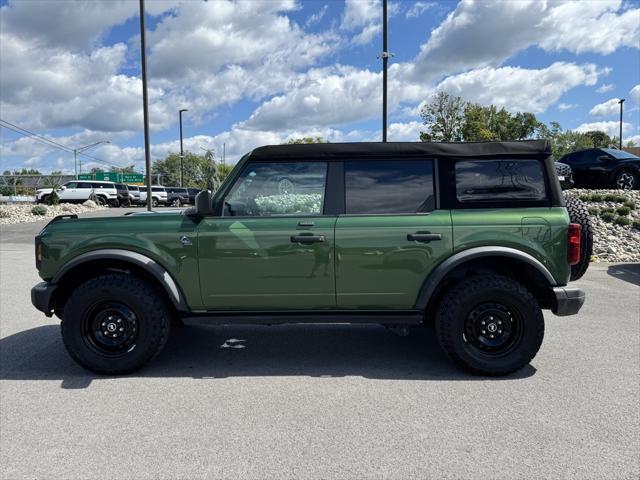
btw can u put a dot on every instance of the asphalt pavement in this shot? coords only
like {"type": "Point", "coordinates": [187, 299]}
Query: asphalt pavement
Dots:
{"type": "Point", "coordinates": [320, 401]}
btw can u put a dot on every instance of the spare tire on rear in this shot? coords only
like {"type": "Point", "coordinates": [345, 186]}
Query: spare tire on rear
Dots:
{"type": "Point", "coordinates": [579, 214]}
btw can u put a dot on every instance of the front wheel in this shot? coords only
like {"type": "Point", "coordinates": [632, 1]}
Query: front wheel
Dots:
{"type": "Point", "coordinates": [490, 325]}
{"type": "Point", "coordinates": [154, 202]}
{"type": "Point", "coordinates": [114, 324]}
{"type": "Point", "coordinates": [175, 202]}
{"type": "Point", "coordinates": [626, 180]}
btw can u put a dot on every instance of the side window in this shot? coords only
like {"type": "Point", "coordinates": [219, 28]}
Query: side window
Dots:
{"type": "Point", "coordinates": [86, 185]}
{"type": "Point", "coordinates": [499, 180]}
{"type": "Point", "coordinates": [71, 184]}
{"type": "Point", "coordinates": [286, 188]}
{"type": "Point", "coordinates": [389, 186]}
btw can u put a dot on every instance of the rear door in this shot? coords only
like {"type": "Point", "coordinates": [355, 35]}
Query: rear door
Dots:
{"type": "Point", "coordinates": [273, 248]}
{"type": "Point", "coordinates": [392, 234]}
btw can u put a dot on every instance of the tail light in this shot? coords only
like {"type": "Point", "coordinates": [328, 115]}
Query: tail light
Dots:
{"type": "Point", "coordinates": [573, 244]}
{"type": "Point", "coordinates": [38, 251]}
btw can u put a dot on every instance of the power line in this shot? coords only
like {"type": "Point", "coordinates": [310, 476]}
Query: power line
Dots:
{"type": "Point", "coordinates": [51, 143]}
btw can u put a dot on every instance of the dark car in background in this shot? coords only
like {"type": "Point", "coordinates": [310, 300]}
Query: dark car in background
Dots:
{"type": "Point", "coordinates": [604, 167]}
{"type": "Point", "coordinates": [122, 199]}
{"type": "Point", "coordinates": [565, 175]}
{"type": "Point", "coordinates": [177, 196]}
{"type": "Point", "coordinates": [192, 194]}
{"type": "Point", "coordinates": [134, 194]}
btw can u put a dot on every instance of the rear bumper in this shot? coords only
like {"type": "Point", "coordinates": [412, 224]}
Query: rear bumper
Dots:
{"type": "Point", "coordinates": [41, 297]}
{"type": "Point", "coordinates": [569, 300]}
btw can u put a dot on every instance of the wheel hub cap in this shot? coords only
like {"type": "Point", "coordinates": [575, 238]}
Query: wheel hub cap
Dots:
{"type": "Point", "coordinates": [492, 328]}
{"type": "Point", "coordinates": [111, 328]}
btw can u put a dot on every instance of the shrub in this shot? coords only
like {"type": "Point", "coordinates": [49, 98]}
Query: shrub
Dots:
{"type": "Point", "coordinates": [595, 197]}
{"type": "Point", "coordinates": [636, 224]}
{"type": "Point", "coordinates": [622, 221]}
{"type": "Point", "coordinates": [631, 204]}
{"type": "Point", "coordinates": [39, 210]}
{"type": "Point", "coordinates": [623, 211]}
{"type": "Point", "coordinates": [607, 210]}
{"type": "Point", "coordinates": [607, 216]}
{"type": "Point", "coordinates": [4, 213]}
{"type": "Point", "coordinates": [585, 198]}
{"type": "Point", "coordinates": [611, 197]}
{"type": "Point", "coordinates": [593, 211]}
{"type": "Point", "coordinates": [53, 198]}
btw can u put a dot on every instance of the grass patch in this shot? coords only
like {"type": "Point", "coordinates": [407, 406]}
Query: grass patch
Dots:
{"type": "Point", "coordinates": [607, 216]}
{"type": "Point", "coordinates": [636, 224]}
{"type": "Point", "coordinates": [39, 210]}
{"type": "Point", "coordinates": [622, 221]}
{"type": "Point", "coordinates": [593, 211]}
{"type": "Point", "coordinates": [623, 211]}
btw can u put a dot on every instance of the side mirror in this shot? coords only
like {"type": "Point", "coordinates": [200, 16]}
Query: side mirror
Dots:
{"type": "Point", "coordinates": [604, 158]}
{"type": "Point", "coordinates": [63, 187]}
{"type": "Point", "coordinates": [203, 204]}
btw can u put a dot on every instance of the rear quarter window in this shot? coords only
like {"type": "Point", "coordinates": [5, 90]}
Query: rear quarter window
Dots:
{"type": "Point", "coordinates": [499, 181]}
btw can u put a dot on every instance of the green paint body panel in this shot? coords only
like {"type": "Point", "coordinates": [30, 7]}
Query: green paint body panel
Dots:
{"type": "Point", "coordinates": [155, 235]}
{"type": "Point", "coordinates": [541, 232]}
{"type": "Point", "coordinates": [252, 264]}
{"type": "Point", "coordinates": [378, 268]}
{"type": "Point", "coordinates": [364, 262]}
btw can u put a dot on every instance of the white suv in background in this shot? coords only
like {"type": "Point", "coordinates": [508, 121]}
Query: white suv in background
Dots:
{"type": "Point", "coordinates": [78, 191]}
{"type": "Point", "coordinates": [158, 195]}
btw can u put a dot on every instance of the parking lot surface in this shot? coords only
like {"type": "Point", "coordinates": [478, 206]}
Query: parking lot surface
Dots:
{"type": "Point", "coordinates": [320, 401]}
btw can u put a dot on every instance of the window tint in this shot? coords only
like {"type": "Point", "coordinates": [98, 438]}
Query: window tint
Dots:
{"type": "Point", "coordinates": [84, 185]}
{"type": "Point", "coordinates": [285, 188]}
{"type": "Point", "coordinates": [499, 180]}
{"type": "Point", "coordinates": [158, 189]}
{"type": "Point", "coordinates": [389, 186]}
{"type": "Point", "coordinates": [133, 188]}
{"type": "Point", "coordinates": [120, 186]}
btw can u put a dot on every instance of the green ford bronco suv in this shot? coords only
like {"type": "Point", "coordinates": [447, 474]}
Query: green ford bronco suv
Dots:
{"type": "Point", "coordinates": [472, 238]}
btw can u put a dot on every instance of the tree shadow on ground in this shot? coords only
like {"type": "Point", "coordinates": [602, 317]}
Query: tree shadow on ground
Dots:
{"type": "Point", "coordinates": [217, 352]}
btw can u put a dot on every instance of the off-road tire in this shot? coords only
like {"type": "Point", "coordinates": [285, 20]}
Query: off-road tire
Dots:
{"type": "Point", "coordinates": [154, 202]}
{"type": "Point", "coordinates": [175, 202]}
{"type": "Point", "coordinates": [153, 321]}
{"type": "Point", "coordinates": [579, 214]}
{"type": "Point", "coordinates": [470, 294]}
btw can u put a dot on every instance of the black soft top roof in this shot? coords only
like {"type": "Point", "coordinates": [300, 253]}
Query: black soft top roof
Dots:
{"type": "Point", "coordinates": [379, 149]}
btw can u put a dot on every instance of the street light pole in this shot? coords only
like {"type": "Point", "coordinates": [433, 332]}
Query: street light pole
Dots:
{"type": "Point", "coordinates": [181, 150]}
{"type": "Point", "coordinates": [621, 102]}
{"type": "Point", "coordinates": [145, 104]}
{"type": "Point", "coordinates": [385, 60]}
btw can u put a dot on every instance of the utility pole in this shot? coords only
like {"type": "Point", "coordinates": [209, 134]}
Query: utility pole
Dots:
{"type": "Point", "coordinates": [82, 149]}
{"type": "Point", "coordinates": [145, 104]}
{"type": "Point", "coordinates": [224, 153]}
{"type": "Point", "coordinates": [385, 61]}
{"type": "Point", "coordinates": [181, 150]}
{"type": "Point", "coordinates": [621, 102]}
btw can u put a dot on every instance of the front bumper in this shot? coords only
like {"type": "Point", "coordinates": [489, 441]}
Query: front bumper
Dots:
{"type": "Point", "coordinates": [41, 297]}
{"type": "Point", "coordinates": [569, 300]}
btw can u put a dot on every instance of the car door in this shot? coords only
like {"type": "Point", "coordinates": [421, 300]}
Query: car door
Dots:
{"type": "Point", "coordinates": [273, 246]}
{"type": "Point", "coordinates": [83, 191]}
{"type": "Point", "coordinates": [392, 233]}
{"type": "Point", "coordinates": [68, 193]}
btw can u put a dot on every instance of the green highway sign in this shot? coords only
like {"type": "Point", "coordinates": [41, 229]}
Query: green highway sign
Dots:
{"type": "Point", "coordinates": [131, 178]}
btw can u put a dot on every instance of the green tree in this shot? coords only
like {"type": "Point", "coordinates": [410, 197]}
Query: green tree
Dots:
{"type": "Point", "coordinates": [201, 171]}
{"type": "Point", "coordinates": [443, 118]}
{"type": "Point", "coordinates": [127, 169]}
{"type": "Point", "coordinates": [489, 123]}
{"type": "Point", "coordinates": [600, 139]}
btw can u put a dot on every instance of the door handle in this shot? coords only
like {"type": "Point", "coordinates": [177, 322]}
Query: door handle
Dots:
{"type": "Point", "coordinates": [307, 239]}
{"type": "Point", "coordinates": [424, 237]}
{"type": "Point", "coordinates": [304, 223]}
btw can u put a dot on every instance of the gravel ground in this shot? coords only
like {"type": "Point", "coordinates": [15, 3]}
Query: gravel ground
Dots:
{"type": "Point", "coordinates": [21, 213]}
{"type": "Point", "coordinates": [613, 243]}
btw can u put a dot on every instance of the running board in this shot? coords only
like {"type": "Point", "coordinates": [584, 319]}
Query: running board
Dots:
{"type": "Point", "coordinates": [410, 317]}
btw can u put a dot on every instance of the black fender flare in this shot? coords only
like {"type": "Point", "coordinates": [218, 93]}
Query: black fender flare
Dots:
{"type": "Point", "coordinates": [437, 275]}
{"type": "Point", "coordinates": [148, 264]}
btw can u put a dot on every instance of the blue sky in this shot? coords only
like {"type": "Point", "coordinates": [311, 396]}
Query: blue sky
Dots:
{"type": "Point", "coordinates": [260, 72]}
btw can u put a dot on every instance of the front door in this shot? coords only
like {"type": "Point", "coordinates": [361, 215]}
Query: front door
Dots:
{"type": "Point", "coordinates": [273, 249]}
{"type": "Point", "coordinates": [391, 236]}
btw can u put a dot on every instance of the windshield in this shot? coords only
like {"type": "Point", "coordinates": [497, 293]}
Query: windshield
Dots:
{"type": "Point", "coordinates": [619, 153]}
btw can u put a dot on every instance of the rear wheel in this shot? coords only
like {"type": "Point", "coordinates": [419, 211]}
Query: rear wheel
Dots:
{"type": "Point", "coordinates": [579, 214]}
{"type": "Point", "coordinates": [626, 180]}
{"type": "Point", "coordinates": [175, 202]}
{"type": "Point", "coordinates": [490, 325]}
{"type": "Point", "coordinates": [114, 324]}
{"type": "Point", "coordinates": [154, 202]}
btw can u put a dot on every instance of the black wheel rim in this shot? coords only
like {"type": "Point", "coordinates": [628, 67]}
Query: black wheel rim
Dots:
{"type": "Point", "coordinates": [111, 328]}
{"type": "Point", "coordinates": [493, 328]}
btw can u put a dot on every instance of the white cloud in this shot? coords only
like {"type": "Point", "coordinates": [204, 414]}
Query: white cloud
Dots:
{"type": "Point", "coordinates": [566, 106]}
{"type": "Point", "coordinates": [611, 128]}
{"type": "Point", "coordinates": [635, 93]}
{"type": "Point", "coordinates": [364, 16]}
{"type": "Point", "coordinates": [520, 89]}
{"type": "Point", "coordinates": [610, 107]}
{"type": "Point", "coordinates": [605, 87]}
{"type": "Point", "coordinates": [316, 17]}
{"type": "Point", "coordinates": [418, 8]}
{"type": "Point", "coordinates": [479, 34]}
